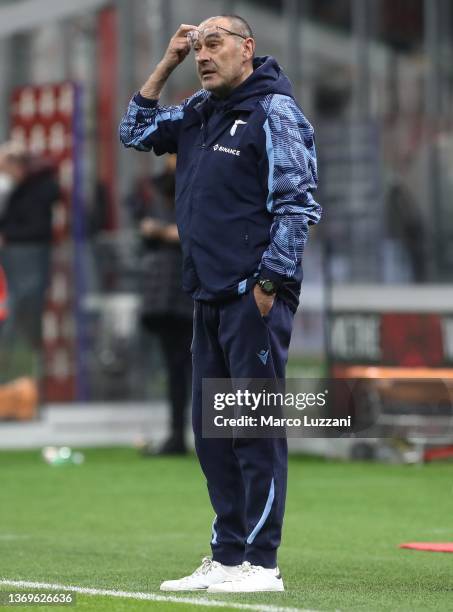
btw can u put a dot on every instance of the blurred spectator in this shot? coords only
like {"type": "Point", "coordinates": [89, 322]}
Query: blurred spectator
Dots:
{"type": "Point", "coordinates": [30, 190]}
{"type": "Point", "coordinates": [167, 311]}
{"type": "Point", "coordinates": [405, 255]}
{"type": "Point", "coordinates": [3, 297]}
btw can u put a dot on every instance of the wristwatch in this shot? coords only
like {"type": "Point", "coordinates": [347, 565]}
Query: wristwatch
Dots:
{"type": "Point", "coordinates": [267, 286]}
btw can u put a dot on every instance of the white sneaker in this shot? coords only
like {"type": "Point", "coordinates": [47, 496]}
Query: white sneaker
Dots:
{"type": "Point", "coordinates": [252, 579]}
{"type": "Point", "coordinates": [210, 572]}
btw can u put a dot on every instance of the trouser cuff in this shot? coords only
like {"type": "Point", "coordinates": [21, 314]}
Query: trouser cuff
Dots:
{"type": "Point", "coordinates": [227, 555]}
{"type": "Point", "coordinates": [265, 558]}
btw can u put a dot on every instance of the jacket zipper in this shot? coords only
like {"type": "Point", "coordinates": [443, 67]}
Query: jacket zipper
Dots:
{"type": "Point", "coordinates": [195, 172]}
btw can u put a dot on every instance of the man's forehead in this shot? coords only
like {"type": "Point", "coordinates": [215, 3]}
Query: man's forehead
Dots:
{"type": "Point", "coordinates": [214, 21]}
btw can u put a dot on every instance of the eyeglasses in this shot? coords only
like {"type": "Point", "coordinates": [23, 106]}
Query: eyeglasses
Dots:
{"type": "Point", "coordinates": [196, 37]}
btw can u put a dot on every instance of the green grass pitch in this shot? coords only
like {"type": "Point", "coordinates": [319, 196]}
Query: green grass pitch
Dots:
{"type": "Point", "coordinates": [123, 522]}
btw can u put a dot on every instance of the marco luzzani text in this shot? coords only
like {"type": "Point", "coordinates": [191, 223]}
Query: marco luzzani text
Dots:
{"type": "Point", "coordinates": [253, 401]}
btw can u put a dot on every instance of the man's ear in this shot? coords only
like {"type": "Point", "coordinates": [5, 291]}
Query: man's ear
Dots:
{"type": "Point", "coordinates": [248, 49]}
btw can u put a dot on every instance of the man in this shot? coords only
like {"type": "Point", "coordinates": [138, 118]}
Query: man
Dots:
{"type": "Point", "coordinates": [167, 311]}
{"type": "Point", "coordinates": [26, 238]}
{"type": "Point", "coordinates": [246, 168]}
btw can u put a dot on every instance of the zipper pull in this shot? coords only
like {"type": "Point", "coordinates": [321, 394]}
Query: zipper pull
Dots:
{"type": "Point", "coordinates": [203, 145]}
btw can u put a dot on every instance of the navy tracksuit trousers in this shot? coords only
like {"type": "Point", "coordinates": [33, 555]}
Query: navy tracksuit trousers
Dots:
{"type": "Point", "coordinates": [246, 477]}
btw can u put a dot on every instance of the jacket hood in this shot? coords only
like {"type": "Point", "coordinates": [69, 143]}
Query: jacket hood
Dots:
{"type": "Point", "coordinates": [267, 78]}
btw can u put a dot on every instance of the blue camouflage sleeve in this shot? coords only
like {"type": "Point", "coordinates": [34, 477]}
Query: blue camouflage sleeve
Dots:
{"type": "Point", "coordinates": [147, 125]}
{"type": "Point", "coordinates": [291, 175]}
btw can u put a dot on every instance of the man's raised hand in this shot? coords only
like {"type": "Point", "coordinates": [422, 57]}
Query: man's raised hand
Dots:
{"type": "Point", "coordinates": [178, 48]}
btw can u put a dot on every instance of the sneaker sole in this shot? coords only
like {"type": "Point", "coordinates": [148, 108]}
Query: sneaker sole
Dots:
{"type": "Point", "coordinates": [181, 590]}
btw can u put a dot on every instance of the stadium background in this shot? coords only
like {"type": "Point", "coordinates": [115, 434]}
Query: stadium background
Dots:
{"type": "Point", "coordinates": [375, 77]}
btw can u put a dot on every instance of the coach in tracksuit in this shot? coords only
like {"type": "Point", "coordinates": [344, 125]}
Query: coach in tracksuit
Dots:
{"type": "Point", "coordinates": [245, 175]}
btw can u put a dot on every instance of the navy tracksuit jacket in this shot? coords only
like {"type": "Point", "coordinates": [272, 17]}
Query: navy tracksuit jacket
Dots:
{"type": "Point", "coordinates": [245, 174]}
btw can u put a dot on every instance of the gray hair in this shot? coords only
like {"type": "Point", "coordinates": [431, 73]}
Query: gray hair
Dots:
{"type": "Point", "coordinates": [240, 25]}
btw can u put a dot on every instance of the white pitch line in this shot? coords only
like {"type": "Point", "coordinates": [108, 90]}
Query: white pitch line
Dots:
{"type": "Point", "coordinates": [196, 601]}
